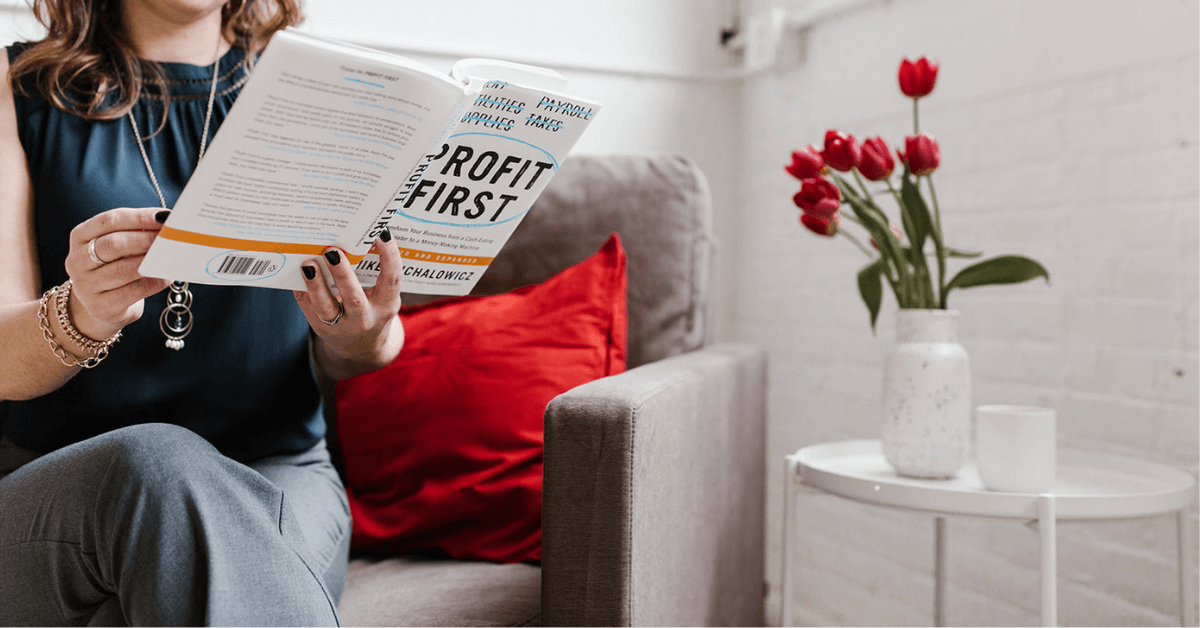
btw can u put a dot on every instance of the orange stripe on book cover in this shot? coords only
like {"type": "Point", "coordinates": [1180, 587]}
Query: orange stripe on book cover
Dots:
{"type": "Point", "coordinates": [220, 242]}
{"type": "Point", "coordinates": [445, 258]}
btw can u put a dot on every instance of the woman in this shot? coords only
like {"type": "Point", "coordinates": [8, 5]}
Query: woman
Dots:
{"type": "Point", "coordinates": [158, 480]}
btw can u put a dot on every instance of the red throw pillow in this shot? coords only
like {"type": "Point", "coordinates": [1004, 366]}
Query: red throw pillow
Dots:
{"type": "Point", "coordinates": [443, 447]}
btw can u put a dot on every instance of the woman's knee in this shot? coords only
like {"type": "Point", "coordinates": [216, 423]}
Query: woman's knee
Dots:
{"type": "Point", "coordinates": [176, 464]}
{"type": "Point", "coordinates": [157, 450]}
{"type": "Point", "coordinates": [159, 470]}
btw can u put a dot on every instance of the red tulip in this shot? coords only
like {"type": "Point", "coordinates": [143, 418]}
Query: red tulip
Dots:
{"type": "Point", "coordinates": [841, 151]}
{"type": "Point", "coordinates": [818, 197]}
{"type": "Point", "coordinates": [819, 225]}
{"type": "Point", "coordinates": [877, 163]}
{"type": "Point", "coordinates": [921, 154]}
{"type": "Point", "coordinates": [806, 163]}
{"type": "Point", "coordinates": [917, 79]}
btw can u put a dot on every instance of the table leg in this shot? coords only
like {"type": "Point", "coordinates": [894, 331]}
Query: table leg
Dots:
{"type": "Point", "coordinates": [789, 516]}
{"type": "Point", "coordinates": [1187, 588]}
{"type": "Point", "coordinates": [1049, 550]}
{"type": "Point", "coordinates": [939, 571]}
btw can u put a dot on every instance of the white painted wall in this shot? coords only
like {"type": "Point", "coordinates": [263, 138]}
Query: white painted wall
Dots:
{"type": "Point", "coordinates": [658, 38]}
{"type": "Point", "coordinates": [1069, 133]}
{"type": "Point", "coordinates": [17, 23]}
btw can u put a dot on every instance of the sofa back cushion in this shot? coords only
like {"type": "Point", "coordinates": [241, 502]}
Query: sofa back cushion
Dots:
{"type": "Point", "coordinates": [660, 206]}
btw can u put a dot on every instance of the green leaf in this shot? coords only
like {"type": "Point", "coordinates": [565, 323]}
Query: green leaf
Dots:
{"type": "Point", "coordinates": [919, 225]}
{"type": "Point", "coordinates": [949, 252]}
{"type": "Point", "coordinates": [871, 288]}
{"type": "Point", "coordinates": [871, 221]}
{"type": "Point", "coordinates": [925, 297]}
{"type": "Point", "coordinates": [1006, 269]}
{"type": "Point", "coordinates": [917, 212]}
{"type": "Point", "coordinates": [876, 223]}
{"type": "Point", "coordinates": [857, 201]}
{"type": "Point", "coordinates": [960, 253]}
{"type": "Point", "coordinates": [889, 249]}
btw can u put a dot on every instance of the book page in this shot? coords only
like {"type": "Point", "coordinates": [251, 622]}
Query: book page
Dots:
{"type": "Point", "coordinates": [313, 150]}
{"type": "Point", "coordinates": [475, 72]}
{"type": "Point", "coordinates": [454, 214]}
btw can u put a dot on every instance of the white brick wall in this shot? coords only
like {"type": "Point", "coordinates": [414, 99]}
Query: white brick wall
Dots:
{"type": "Point", "coordinates": [1069, 133]}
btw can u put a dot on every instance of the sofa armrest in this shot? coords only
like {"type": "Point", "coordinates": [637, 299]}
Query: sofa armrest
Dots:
{"type": "Point", "coordinates": [654, 489]}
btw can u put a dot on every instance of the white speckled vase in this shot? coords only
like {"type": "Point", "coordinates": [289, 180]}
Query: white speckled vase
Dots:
{"type": "Point", "coordinates": [927, 396]}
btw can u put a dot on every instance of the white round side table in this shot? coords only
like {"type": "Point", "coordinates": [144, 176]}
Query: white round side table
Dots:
{"type": "Point", "coordinates": [1088, 487]}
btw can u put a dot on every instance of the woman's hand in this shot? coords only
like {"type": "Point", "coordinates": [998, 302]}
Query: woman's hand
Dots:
{"type": "Point", "coordinates": [358, 330]}
{"type": "Point", "coordinates": [106, 251]}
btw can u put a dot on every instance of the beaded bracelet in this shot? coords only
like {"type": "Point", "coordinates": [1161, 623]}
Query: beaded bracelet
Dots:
{"type": "Point", "coordinates": [62, 295]}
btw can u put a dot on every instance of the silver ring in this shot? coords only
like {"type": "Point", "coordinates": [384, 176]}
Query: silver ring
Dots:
{"type": "Point", "coordinates": [341, 310]}
{"type": "Point", "coordinates": [92, 253]}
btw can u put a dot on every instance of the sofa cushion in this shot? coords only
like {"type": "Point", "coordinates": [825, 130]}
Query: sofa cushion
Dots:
{"type": "Point", "coordinates": [443, 447]}
{"type": "Point", "coordinates": [421, 591]}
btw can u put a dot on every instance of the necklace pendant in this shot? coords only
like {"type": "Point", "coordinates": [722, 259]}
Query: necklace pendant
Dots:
{"type": "Point", "coordinates": [176, 319]}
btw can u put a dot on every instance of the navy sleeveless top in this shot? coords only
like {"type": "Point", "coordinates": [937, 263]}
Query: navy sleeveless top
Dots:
{"type": "Point", "coordinates": [243, 380]}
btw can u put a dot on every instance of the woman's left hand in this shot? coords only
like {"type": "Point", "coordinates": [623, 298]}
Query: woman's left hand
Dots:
{"type": "Point", "coordinates": [357, 330]}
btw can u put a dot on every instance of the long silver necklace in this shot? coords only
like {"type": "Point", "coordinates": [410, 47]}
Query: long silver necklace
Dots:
{"type": "Point", "coordinates": [176, 319]}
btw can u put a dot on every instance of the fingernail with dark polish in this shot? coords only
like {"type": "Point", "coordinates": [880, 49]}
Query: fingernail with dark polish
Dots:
{"type": "Point", "coordinates": [386, 235]}
{"type": "Point", "coordinates": [161, 216]}
{"type": "Point", "coordinates": [333, 257]}
{"type": "Point", "coordinates": [310, 272]}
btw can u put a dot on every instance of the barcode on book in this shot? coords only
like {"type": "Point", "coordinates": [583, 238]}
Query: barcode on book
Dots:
{"type": "Point", "coordinates": [240, 265]}
{"type": "Point", "coordinates": [243, 265]}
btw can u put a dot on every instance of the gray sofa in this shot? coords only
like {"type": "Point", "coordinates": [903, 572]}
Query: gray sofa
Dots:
{"type": "Point", "coordinates": [654, 478]}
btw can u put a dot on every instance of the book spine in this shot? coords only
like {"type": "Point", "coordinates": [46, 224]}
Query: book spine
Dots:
{"type": "Point", "coordinates": [414, 177]}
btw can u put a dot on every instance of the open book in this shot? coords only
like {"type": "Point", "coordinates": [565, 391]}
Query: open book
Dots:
{"type": "Point", "coordinates": [330, 143]}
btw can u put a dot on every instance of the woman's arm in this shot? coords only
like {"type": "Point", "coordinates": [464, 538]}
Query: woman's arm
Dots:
{"type": "Point", "coordinates": [27, 367]}
{"type": "Point", "coordinates": [104, 298]}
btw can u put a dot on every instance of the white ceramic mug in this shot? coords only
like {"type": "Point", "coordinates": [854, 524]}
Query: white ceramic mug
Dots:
{"type": "Point", "coordinates": [1016, 448]}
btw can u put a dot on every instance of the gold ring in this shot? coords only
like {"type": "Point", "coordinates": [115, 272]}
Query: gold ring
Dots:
{"type": "Point", "coordinates": [341, 310]}
{"type": "Point", "coordinates": [92, 253]}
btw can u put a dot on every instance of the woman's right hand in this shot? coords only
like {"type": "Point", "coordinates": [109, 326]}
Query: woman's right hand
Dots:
{"type": "Point", "coordinates": [108, 296]}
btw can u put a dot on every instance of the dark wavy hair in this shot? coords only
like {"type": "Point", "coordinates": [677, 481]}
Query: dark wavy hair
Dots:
{"type": "Point", "coordinates": [87, 66]}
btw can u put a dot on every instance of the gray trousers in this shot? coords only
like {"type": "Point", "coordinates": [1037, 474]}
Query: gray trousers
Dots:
{"type": "Point", "coordinates": [151, 525]}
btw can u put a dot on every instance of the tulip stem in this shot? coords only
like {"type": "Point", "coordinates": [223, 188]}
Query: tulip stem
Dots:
{"type": "Point", "coordinates": [862, 185]}
{"type": "Point", "coordinates": [940, 245]}
{"type": "Point", "coordinates": [937, 213]}
{"type": "Point", "coordinates": [889, 246]}
{"type": "Point", "coordinates": [896, 195]}
{"type": "Point", "coordinates": [916, 118]}
{"type": "Point", "coordinates": [866, 251]}
{"type": "Point", "coordinates": [869, 198]}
